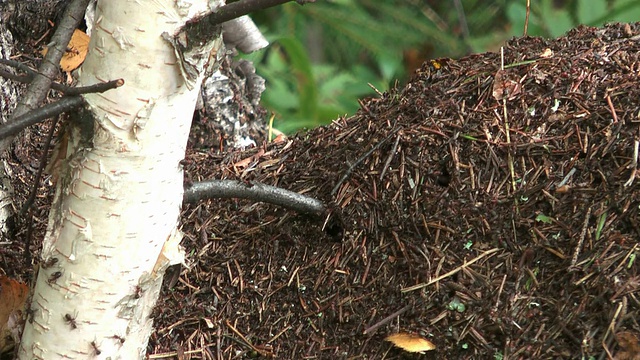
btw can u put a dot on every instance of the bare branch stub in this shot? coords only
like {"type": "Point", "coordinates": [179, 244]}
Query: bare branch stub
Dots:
{"type": "Point", "coordinates": [244, 7]}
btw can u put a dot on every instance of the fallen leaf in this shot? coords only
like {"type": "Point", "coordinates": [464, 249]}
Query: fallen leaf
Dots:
{"type": "Point", "coordinates": [629, 346]}
{"type": "Point", "coordinates": [280, 138]}
{"type": "Point", "coordinates": [13, 295]}
{"type": "Point", "coordinates": [247, 161]}
{"type": "Point", "coordinates": [410, 342]}
{"type": "Point", "coordinates": [76, 51]}
{"type": "Point", "coordinates": [504, 87]}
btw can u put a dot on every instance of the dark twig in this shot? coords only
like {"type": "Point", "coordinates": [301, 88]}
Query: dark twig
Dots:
{"type": "Point", "coordinates": [224, 189]}
{"type": "Point", "coordinates": [34, 189]}
{"type": "Point", "coordinates": [95, 88]}
{"type": "Point", "coordinates": [18, 65]}
{"type": "Point", "coordinates": [392, 154]}
{"type": "Point", "coordinates": [67, 90]}
{"type": "Point", "coordinates": [48, 70]}
{"type": "Point", "coordinates": [361, 159]}
{"type": "Point", "coordinates": [244, 7]}
{"type": "Point", "coordinates": [387, 319]}
{"type": "Point", "coordinates": [25, 79]}
{"type": "Point", "coordinates": [33, 117]}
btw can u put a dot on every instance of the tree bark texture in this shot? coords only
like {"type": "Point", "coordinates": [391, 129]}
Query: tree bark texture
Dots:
{"type": "Point", "coordinates": [112, 228]}
{"type": "Point", "coordinates": [8, 101]}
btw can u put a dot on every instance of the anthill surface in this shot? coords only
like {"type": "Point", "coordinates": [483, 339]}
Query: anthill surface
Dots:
{"type": "Point", "coordinates": [489, 206]}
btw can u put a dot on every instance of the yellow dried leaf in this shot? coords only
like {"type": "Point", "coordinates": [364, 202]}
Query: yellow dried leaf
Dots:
{"type": "Point", "coordinates": [410, 342]}
{"type": "Point", "coordinates": [76, 51]}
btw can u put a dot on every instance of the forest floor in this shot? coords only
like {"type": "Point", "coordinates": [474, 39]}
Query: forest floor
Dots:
{"type": "Point", "coordinates": [493, 212]}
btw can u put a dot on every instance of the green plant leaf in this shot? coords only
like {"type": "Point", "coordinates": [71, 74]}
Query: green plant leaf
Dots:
{"type": "Point", "coordinates": [544, 218]}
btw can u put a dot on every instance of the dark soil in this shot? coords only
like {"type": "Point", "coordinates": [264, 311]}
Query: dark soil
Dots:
{"type": "Point", "coordinates": [494, 212]}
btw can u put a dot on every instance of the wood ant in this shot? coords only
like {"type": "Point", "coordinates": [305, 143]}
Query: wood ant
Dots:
{"type": "Point", "coordinates": [95, 348]}
{"type": "Point", "coordinates": [71, 320]}
{"type": "Point", "coordinates": [49, 262]}
{"type": "Point", "coordinates": [54, 277]}
{"type": "Point", "coordinates": [30, 314]}
{"type": "Point", "coordinates": [138, 292]}
{"type": "Point", "coordinates": [118, 338]}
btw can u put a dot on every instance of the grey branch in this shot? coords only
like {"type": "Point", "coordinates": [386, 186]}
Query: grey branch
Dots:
{"type": "Point", "coordinates": [67, 90]}
{"type": "Point", "coordinates": [244, 7]}
{"type": "Point", "coordinates": [35, 116]}
{"type": "Point", "coordinates": [243, 34]}
{"type": "Point", "coordinates": [224, 189]}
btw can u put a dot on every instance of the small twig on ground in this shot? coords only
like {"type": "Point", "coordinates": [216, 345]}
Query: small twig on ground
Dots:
{"type": "Point", "coordinates": [634, 163]}
{"type": "Point", "coordinates": [384, 321]}
{"type": "Point", "coordinates": [224, 189]}
{"type": "Point", "coordinates": [607, 340]}
{"type": "Point", "coordinates": [390, 158]}
{"type": "Point", "coordinates": [260, 351]}
{"type": "Point", "coordinates": [611, 108]}
{"type": "Point", "coordinates": [33, 117]}
{"type": "Point", "coordinates": [583, 233]}
{"type": "Point", "coordinates": [450, 273]}
{"type": "Point", "coordinates": [361, 159]}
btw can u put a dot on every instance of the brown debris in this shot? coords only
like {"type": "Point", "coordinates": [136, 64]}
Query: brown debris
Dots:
{"type": "Point", "coordinates": [514, 198]}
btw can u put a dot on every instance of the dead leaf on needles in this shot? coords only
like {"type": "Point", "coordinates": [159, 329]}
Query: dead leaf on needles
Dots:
{"type": "Point", "coordinates": [13, 294]}
{"type": "Point", "coordinates": [76, 51]}
{"type": "Point", "coordinates": [629, 346]}
{"type": "Point", "coordinates": [410, 342]}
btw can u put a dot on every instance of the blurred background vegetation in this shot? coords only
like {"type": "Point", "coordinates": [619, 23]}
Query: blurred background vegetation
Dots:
{"type": "Point", "coordinates": [324, 55]}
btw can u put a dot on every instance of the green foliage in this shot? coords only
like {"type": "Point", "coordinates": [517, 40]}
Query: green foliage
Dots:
{"type": "Point", "coordinates": [304, 95]}
{"type": "Point", "coordinates": [349, 43]}
{"type": "Point", "coordinates": [553, 21]}
{"type": "Point", "coordinates": [323, 54]}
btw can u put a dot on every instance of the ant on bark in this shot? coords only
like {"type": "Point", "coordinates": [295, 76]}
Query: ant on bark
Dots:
{"type": "Point", "coordinates": [49, 262]}
{"type": "Point", "coordinates": [119, 338]}
{"type": "Point", "coordinates": [30, 314]}
{"type": "Point", "coordinates": [95, 348]}
{"type": "Point", "coordinates": [71, 320]}
{"type": "Point", "coordinates": [138, 292]}
{"type": "Point", "coordinates": [54, 277]}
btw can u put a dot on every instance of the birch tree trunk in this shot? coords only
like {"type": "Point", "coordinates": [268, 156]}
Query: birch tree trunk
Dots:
{"type": "Point", "coordinates": [112, 228]}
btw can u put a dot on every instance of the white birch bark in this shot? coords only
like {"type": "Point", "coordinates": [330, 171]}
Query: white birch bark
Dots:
{"type": "Point", "coordinates": [120, 190]}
